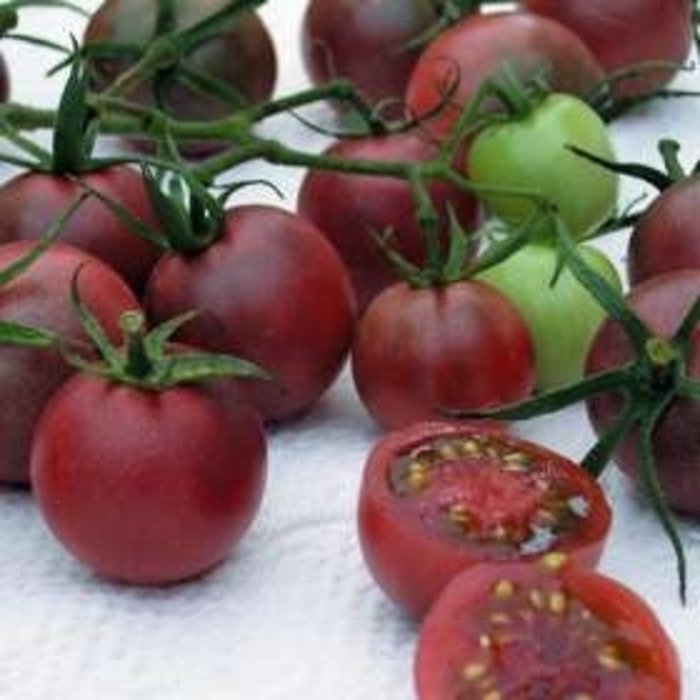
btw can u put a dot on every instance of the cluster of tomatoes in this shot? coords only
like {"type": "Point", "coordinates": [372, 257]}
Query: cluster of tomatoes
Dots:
{"type": "Point", "coordinates": [390, 262]}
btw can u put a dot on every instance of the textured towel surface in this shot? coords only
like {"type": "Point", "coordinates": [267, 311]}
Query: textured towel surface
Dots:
{"type": "Point", "coordinates": [293, 613]}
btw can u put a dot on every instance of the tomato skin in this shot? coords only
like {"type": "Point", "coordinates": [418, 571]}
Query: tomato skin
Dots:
{"type": "Point", "coordinates": [40, 296]}
{"type": "Point", "coordinates": [562, 318]}
{"type": "Point", "coordinates": [351, 210]}
{"type": "Point", "coordinates": [664, 239]}
{"type": "Point", "coordinates": [531, 153]}
{"type": "Point", "coordinates": [418, 351]}
{"type": "Point", "coordinates": [475, 48]}
{"type": "Point", "coordinates": [155, 487]}
{"type": "Point", "coordinates": [271, 290]}
{"type": "Point", "coordinates": [660, 302]}
{"type": "Point", "coordinates": [548, 654]}
{"type": "Point", "coordinates": [242, 55]}
{"type": "Point", "coordinates": [32, 200]}
{"type": "Point", "coordinates": [627, 32]}
{"type": "Point", "coordinates": [412, 558]}
{"type": "Point", "coordinates": [364, 41]}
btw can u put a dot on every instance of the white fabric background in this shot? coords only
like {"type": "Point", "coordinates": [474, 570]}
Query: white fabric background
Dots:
{"type": "Point", "coordinates": [293, 613]}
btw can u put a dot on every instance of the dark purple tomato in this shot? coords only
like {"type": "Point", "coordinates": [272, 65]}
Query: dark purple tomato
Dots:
{"type": "Point", "coordinates": [352, 211]}
{"type": "Point", "coordinates": [661, 302]}
{"type": "Point", "coordinates": [32, 200]}
{"type": "Point", "coordinates": [240, 55]}
{"type": "Point", "coordinates": [155, 486]}
{"type": "Point", "coordinates": [418, 351]}
{"type": "Point", "coordinates": [625, 33]}
{"type": "Point", "coordinates": [365, 42]}
{"type": "Point", "coordinates": [40, 296]}
{"type": "Point", "coordinates": [271, 290]}
{"type": "Point", "coordinates": [478, 46]}
{"type": "Point", "coordinates": [666, 237]}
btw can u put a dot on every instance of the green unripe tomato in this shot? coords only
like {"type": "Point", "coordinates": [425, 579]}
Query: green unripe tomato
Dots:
{"type": "Point", "coordinates": [562, 318]}
{"type": "Point", "coordinates": [530, 153]}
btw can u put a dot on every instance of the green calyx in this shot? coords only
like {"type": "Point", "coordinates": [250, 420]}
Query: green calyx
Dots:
{"type": "Point", "coordinates": [145, 359]}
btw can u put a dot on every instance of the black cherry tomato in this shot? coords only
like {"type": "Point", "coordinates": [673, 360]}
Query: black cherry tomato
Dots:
{"type": "Point", "coordinates": [546, 630]}
{"type": "Point", "coordinates": [438, 498]}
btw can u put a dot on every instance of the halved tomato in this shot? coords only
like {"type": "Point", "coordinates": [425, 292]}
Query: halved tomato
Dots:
{"type": "Point", "coordinates": [440, 497]}
{"type": "Point", "coordinates": [525, 631]}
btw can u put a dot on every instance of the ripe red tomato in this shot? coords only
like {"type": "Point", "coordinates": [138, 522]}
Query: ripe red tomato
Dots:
{"type": "Point", "coordinates": [420, 350]}
{"type": "Point", "coordinates": [626, 33]}
{"type": "Point", "coordinates": [40, 296]}
{"type": "Point", "coordinates": [665, 237]}
{"type": "Point", "coordinates": [155, 487]}
{"type": "Point", "coordinates": [475, 48]}
{"type": "Point", "coordinates": [240, 56]}
{"type": "Point", "coordinates": [365, 42]}
{"type": "Point", "coordinates": [352, 210]}
{"type": "Point", "coordinates": [271, 290]}
{"type": "Point", "coordinates": [437, 498]}
{"type": "Point", "coordinates": [533, 631]}
{"type": "Point", "coordinates": [661, 302]}
{"type": "Point", "coordinates": [31, 201]}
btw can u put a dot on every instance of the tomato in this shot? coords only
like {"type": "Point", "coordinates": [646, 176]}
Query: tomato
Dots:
{"type": "Point", "coordinates": [240, 56]}
{"type": "Point", "coordinates": [40, 297]}
{"type": "Point", "coordinates": [661, 302]}
{"type": "Point", "coordinates": [664, 238]}
{"type": "Point", "coordinates": [418, 351]}
{"type": "Point", "coordinates": [271, 290]}
{"type": "Point", "coordinates": [438, 498]}
{"type": "Point", "coordinates": [155, 487]}
{"type": "Point", "coordinates": [534, 631]}
{"type": "Point", "coordinates": [530, 152]}
{"type": "Point", "coordinates": [626, 33]}
{"type": "Point", "coordinates": [352, 210]}
{"type": "Point", "coordinates": [366, 42]}
{"type": "Point", "coordinates": [562, 318]}
{"type": "Point", "coordinates": [477, 47]}
{"type": "Point", "coordinates": [31, 201]}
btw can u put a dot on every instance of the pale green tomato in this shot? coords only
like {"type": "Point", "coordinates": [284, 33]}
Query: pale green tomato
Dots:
{"type": "Point", "coordinates": [562, 318]}
{"type": "Point", "coordinates": [530, 153]}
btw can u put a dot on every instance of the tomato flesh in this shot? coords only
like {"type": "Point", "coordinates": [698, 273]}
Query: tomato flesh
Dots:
{"type": "Point", "coordinates": [490, 494]}
{"type": "Point", "coordinates": [527, 631]}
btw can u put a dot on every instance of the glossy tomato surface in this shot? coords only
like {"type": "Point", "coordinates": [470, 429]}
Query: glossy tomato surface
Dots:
{"type": "Point", "coordinates": [531, 631]}
{"type": "Point", "coordinates": [560, 312]}
{"type": "Point", "coordinates": [240, 57]}
{"type": "Point", "coordinates": [626, 33]}
{"type": "Point", "coordinates": [31, 201]}
{"type": "Point", "coordinates": [155, 487]}
{"type": "Point", "coordinates": [366, 42]}
{"type": "Point", "coordinates": [352, 210]}
{"type": "Point", "coordinates": [418, 351]}
{"type": "Point", "coordinates": [530, 153]}
{"type": "Point", "coordinates": [271, 290]}
{"type": "Point", "coordinates": [661, 302]}
{"type": "Point", "coordinates": [476, 48]}
{"type": "Point", "coordinates": [665, 237]}
{"type": "Point", "coordinates": [40, 296]}
{"type": "Point", "coordinates": [438, 498]}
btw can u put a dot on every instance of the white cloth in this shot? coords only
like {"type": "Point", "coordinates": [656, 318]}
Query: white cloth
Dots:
{"type": "Point", "coordinates": [293, 613]}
